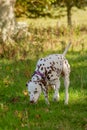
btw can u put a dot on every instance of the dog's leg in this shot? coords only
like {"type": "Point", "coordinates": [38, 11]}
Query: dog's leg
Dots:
{"type": "Point", "coordinates": [66, 84]}
{"type": "Point", "coordinates": [45, 91]}
{"type": "Point", "coordinates": [66, 73]}
{"type": "Point", "coordinates": [56, 93]}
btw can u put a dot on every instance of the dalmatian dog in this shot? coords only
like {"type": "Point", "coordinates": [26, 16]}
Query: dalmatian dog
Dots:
{"type": "Point", "coordinates": [47, 73]}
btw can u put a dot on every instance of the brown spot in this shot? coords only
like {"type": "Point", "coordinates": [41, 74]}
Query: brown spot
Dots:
{"type": "Point", "coordinates": [37, 77]}
{"type": "Point", "coordinates": [49, 72]}
{"type": "Point", "coordinates": [62, 73]}
{"type": "Point", "coordinates": [35, 89]}
{"type": "Point", "coordinates": [65, 61]}
{"type": "Point", "coordinates": [43, 82]}
{"type": "Point", "coordinates": [45, 71]}
{"type": "Point", "coordinates": [41, 68]}
{"type": "Point", "coordinates": [48, 77]}
{"type": "Point", "coordinates": [52, 68]}
{"type": "Point", "coordinates": [40, 84]}
{"type": "Point", "coordinates": [53, 63]}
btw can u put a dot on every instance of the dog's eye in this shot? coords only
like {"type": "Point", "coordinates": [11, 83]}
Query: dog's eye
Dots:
{"type": "Point", "coordinates": [35, 92]}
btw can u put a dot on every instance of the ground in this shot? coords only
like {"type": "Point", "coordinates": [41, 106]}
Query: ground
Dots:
{"type": "Point", "coordinates": [15, 110]}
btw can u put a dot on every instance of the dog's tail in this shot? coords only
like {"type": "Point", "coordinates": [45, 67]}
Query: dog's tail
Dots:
{"type": "Point", "coordinates": [65, 51]}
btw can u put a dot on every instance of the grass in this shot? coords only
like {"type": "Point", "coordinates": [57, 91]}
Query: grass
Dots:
{"type": "Point", "coordinates": [16, 112]}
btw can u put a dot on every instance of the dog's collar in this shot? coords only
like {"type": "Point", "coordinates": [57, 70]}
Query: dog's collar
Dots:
{"type": "Point", "coordinates": [39, 74]}
{"type": "Point", "coordinates": [42, 80]}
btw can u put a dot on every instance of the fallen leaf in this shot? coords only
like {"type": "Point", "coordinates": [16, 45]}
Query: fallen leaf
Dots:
{"type": "Point", "coordinates": [18, 114]}
{"type": "Point", "coordinates": [27, 74]}
{"type": "Point", "coordinates": [38, 116]}
{"type": "Point", "coordinates": [14, 99]}
{"type": "Point", "coordinates": [4, 107]}
{"type": "Point", "coordinates": [47, 110]}
{"type": "Point", "coordinates": [25, 92]}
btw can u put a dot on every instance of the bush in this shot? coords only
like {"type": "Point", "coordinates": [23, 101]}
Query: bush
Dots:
{"type": "Point", "coordinates": [37, 40]}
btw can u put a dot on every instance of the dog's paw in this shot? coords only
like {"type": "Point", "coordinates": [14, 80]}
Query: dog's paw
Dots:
{"type": "Point", "coordinates": [47, 102]}
{"type": "Point", "coordinates": [56, 98]}
{"type": "Point", "coordinates": [66, 103]}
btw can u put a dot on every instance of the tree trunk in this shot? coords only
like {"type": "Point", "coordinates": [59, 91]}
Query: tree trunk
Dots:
{"type": "Point", "coordinates": [7, 19]}
{"type": "Point", "coordinates": [69, 21]}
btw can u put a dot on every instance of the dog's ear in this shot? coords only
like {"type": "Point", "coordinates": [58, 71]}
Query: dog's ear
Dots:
{"type": "Point", "coordinates": [26, 84]}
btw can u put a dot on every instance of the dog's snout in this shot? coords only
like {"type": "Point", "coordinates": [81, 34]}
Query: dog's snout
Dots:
{"type": "Point", "coordinates": [32, 101]}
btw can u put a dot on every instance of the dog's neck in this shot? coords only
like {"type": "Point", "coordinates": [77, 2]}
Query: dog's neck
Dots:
{"type": "Point", "coordinates": [38, 73]}
{"type": "Point", "coordinates": [39, 77]}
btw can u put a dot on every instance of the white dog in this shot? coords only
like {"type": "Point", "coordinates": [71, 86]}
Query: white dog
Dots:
{"type": "Point", "coordinates": [48, 71]}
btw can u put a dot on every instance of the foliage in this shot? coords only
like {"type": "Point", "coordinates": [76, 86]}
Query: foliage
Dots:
{"type": "Point", "coordinates": [69, 4]}
{"type": "Point", "coordinates": [42, 39]}
{"type": "Point", "coordinates": [37, 8]}
{"type": "Point", "coordinates": [34, 8]}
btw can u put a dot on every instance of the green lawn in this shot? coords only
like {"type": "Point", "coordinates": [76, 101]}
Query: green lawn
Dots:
{"type": "Point", "coordinates": [17, 114]}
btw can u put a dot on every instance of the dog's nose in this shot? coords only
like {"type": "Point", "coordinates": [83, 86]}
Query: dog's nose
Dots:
{"type": "Point", "coordinates": [32, 101]}
{"type": "Point", "coordinates": [26, 84]}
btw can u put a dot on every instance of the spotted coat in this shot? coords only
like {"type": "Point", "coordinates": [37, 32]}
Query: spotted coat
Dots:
{"type": "Point", "coordinates": [51, 68]}
{"type": "Point", "coordinates": [48, 71]}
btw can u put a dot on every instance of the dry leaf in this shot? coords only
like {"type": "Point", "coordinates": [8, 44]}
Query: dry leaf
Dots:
{"type": "Point", "coordinates": [14, 99]}
{"type": "Point", "coordinates": [25, 92]}
{"type": "Point", "coordinates": [38, 116]}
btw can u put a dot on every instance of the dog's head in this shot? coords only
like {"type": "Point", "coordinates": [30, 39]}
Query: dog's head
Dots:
{"type": "Point", "coordinates": [34, 90]}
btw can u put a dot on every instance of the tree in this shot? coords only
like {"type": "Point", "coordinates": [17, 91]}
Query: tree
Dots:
{"type": "Point", "coordinates": [7, 18]}
{"type": "Point", "coordinates": [33, 8]}
{"type": "Point", "coordinates": [69, 4]}
{"type": "Point", "coordinates": [36, 8]}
